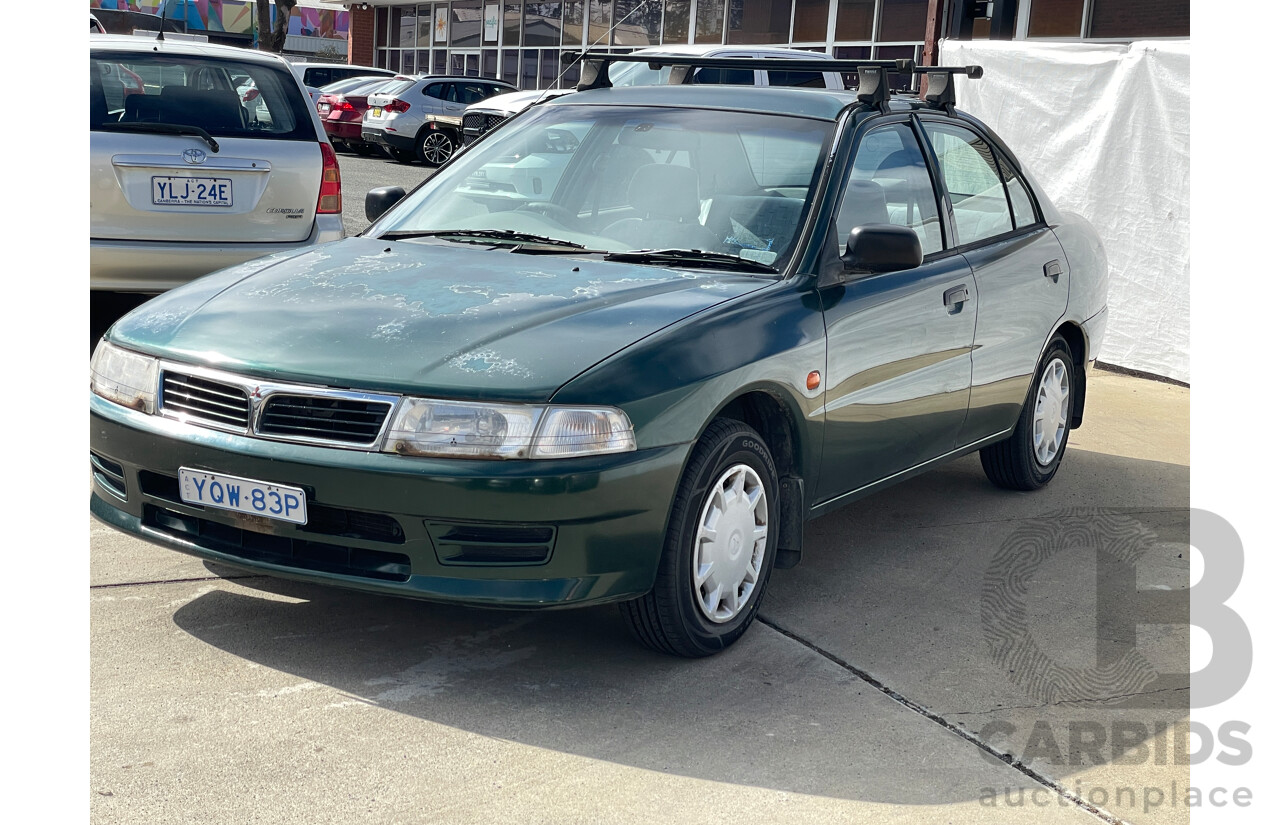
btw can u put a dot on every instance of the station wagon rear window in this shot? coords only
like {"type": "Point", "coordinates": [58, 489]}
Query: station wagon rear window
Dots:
{"type": "Point", "coordinates": [226, 98]}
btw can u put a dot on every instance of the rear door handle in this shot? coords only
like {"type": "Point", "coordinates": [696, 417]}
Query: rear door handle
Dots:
{"type": "Point", "coordinates": [955, 297]}
{"type": "Point", "coordinates": [1052, 270]}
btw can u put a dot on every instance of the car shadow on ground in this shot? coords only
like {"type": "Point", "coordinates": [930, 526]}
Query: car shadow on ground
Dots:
{"type": "Point", "coordinates": [892, 586]}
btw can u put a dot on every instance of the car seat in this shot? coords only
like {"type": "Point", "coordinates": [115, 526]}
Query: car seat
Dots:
{"type": "Point", "coordinates": [665, 200]}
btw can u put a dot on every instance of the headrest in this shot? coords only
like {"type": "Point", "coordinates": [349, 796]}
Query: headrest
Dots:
{"type": "Point", "coordinates": [863, 204]}
{"type": "Point", "coordinates": [665, 190]}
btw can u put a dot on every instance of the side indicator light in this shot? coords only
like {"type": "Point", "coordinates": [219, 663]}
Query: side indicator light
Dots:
{"type": "Point", "coordinates": [814, 381]}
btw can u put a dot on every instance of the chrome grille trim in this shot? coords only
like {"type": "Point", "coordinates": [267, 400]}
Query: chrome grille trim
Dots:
{"type": "Point", "coordinates": [208, 398]}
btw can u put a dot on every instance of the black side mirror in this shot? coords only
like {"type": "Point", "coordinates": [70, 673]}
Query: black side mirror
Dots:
{"type": "Point", "coordinates": [379, 200]}
{"type": "Point", "coordinates": [881, 247]}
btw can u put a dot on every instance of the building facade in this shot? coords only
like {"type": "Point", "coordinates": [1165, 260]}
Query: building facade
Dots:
{"type": "Point", "coordinates": [522, 41]}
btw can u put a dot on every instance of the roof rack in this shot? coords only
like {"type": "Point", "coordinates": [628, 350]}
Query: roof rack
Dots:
{"type": "Point", "coordinates": [942, 89]}
{"type": "Point", "coordinates": [873, 75]}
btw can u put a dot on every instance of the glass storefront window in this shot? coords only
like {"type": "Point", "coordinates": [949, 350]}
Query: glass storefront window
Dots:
{"type": "Point", "coordinates": [675, 22]}
{"type": "Point", "coordinates": [542, 24]}
{"type": "Point", "coordinates": [529, 69]}
{"type": "Point", "coordinates": [896, 80]}
{"type": "Point", "coordinates": [854, 19]}
{"type": "Point", "coordinates": [408, 32]}
{"type": "Point", "coordinates": [710, 22]}
{"type": "Point", "coordinates": [1055, 18]}
{"type": "Point", "coordinates": [810, 24]}
{"type": "Point", "coordinates": [511, 66]}
{"type": "Point", "coordinates": [489, 63]}
{"type": "Point", "coordinates": [573, 22]}
{"type": "Point", "coordinates": [903, 19]}
{"type": "Point", "coordinates": [1140, 18]}
{"type": "Point", "coordinates": [599, 23]}
{"type": "Point", "coordinates": [466, 23]}
{"type": "Point", "coordinates": [760, 21]}
{"type": "Point", "coordinates": [638, 24]}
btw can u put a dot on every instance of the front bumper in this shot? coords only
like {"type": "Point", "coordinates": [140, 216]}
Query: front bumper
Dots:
{"type": "Point", "coordinates": [605, 516]}
{"type": "Point", "coordinates": [155, 266]}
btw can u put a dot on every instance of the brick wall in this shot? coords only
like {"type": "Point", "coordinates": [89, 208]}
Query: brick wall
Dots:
{"type": "Point", "coordinates": [360, 40]}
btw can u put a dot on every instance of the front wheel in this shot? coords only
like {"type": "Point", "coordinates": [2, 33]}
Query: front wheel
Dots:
{"type": "Point", "coordinates": [435, 147]}
{"type": "Point", "coordinates": [719, 550]}
{"type": "Point", "coordinates": [1030, 457]}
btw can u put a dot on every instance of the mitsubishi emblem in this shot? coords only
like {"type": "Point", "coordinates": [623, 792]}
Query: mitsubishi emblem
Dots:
{"type": "Point", "coordinates": [194, 156]}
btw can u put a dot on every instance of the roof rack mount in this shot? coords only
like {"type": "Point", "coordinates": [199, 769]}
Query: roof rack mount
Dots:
{"type": "Point", "coordinates": [942, 88]}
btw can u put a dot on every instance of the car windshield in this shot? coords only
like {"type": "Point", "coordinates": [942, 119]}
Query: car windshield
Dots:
{"type": "Point", "coordinates": [623, 179]}
{"type": "Point", "coordinates": [223, 97]}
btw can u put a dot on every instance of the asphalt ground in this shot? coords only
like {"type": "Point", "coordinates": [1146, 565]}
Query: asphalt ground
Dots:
{"type": "Point", "coordinates": [877, 684]}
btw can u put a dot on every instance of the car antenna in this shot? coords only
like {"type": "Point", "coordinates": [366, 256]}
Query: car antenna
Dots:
{"type": "Point", "coordinates": [569, 59]}
{"type": "Point", "coordinates": [941, 93]}
{"type": "Point", "coordinates": [164, 10]}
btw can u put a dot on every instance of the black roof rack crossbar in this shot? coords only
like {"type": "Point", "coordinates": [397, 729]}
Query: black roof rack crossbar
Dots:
{"type": "Point", "coordinates": [873, 86]}
{"type": "Point", "coordinates": [942, 88]}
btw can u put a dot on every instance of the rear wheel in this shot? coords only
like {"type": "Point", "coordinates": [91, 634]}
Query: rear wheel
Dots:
{"type": "Point", "coordinates": [435, 147]}
{"type": "Point", "coordinates": [719, 549]}
{"type": "Point", "coordinates": [1030, 457]}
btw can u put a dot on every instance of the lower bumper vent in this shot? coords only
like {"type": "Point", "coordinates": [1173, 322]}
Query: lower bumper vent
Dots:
{"type": "Point", "coordinates": [499, 544]}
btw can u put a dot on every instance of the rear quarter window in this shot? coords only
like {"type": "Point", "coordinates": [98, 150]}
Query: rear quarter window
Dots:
{"type": "Point", "coordinates": [226, 98]}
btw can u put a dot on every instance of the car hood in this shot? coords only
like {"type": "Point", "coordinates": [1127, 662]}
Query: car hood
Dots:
{"type": "Point", "coordinates": [420, 317]}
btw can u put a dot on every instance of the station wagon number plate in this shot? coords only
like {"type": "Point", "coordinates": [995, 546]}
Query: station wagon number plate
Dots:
{"type": "Point", "coordinates": [377, 111]}
{"type": "Point", "coordinates": [167, 191]}
{"type": "Point", "coordinates": [243, 495]}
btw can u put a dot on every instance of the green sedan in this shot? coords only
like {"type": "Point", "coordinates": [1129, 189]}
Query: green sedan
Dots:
{"type": "Point", "coordinates": [618, 350]}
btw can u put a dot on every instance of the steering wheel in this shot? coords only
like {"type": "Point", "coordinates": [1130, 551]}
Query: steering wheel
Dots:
{"type": "Point", "coordinates": [554, 211]}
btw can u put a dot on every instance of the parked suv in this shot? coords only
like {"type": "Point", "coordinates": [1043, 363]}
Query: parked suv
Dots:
{"type": "Point", "coordinates": [186, 176]}
{"type": "Point", "coordinates": [481, 117]}
{"type": "Point", "coordinates": [422, 117]}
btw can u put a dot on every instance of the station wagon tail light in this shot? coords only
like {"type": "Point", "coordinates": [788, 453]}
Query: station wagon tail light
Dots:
{"type": "Point", "coordinates": [457, 429]}
{"type": "Point", "coordinates": [330, 202]}
{"type": "Point", "coordinates": [125, 377]}
{"type": "Point", "coordinates": [397, 105]}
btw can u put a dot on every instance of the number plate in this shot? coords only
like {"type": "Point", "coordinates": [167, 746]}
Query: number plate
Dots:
{"type": "Point", "coordinates": [191, 191]}
{"type": "Point", "coordinates": [243, 495]}
{"type": "Point", "coordinates": [377, 111]}
{"type": "Point", "coordinates": [323, 107]}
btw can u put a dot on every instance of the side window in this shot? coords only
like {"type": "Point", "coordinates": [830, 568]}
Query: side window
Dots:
{"type": "Point", "coordinates": [318, 77]}
{"type": "Point", "coordinates": [810, 79]}
{"type": "Point", "coordinates": [972, 179]}
{"type": "Point", "coordinates": [1024, 214]}
{"type": "Point", "coordinates": [469, 93]}
{"type": "Point", "coordinates": [436, 90]}
{"type": "Point", "coordinates": [724, 77]}
{"type": "Point", "coordinates": [890, 183]}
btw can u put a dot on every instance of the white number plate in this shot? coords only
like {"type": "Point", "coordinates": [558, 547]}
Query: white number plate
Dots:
{"type": "Point", "coordinates": [191, 191]}
{"type": "Point", "coordinates": [243, 495]}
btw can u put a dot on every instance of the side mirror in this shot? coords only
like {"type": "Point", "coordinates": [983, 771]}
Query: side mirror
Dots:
{"type": "Point", "coordinates": [881, 247]}
{"type": "Point", "coordinates": [379, 200]}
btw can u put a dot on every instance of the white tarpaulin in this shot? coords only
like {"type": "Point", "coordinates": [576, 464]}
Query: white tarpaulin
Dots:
{"type": "Point", "coordinates": [1105, 128]}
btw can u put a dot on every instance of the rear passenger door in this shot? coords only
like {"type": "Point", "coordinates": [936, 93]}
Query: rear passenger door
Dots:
{"type": "Point", "coordinates": [1014, 256]}
{"type": "Point", "coordinates": [898, 343]}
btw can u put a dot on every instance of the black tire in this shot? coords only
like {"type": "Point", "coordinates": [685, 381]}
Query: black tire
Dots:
{"type": "Point", "coordinates": [1013, 463]}
{"type": "Point", "coordinates": [670, 618]}
{"type": "Point", "coordinates": [435, 146]}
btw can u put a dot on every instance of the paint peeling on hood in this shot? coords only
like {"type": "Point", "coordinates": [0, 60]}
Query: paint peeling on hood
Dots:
{"type": "Point", "coordinates": [425, 317]}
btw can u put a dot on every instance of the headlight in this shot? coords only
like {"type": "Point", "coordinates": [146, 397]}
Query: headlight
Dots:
{"type": "Point", "coordinates": [460, 429]}
{"type": "Point", "coordinates": [124, 377]}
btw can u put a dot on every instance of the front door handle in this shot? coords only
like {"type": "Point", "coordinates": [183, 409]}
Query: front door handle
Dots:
{"type": "Point", "coordinates": [953, 299]}
{"type": "Point", "coordinates": [1052, 270]}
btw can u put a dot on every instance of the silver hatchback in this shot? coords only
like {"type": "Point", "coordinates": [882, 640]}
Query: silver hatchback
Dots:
{"type": "Point", "coordinates": [188, 174]}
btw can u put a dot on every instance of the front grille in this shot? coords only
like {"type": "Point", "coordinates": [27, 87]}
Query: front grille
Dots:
{"type": "Point", "coordinates": [203, 399]}
{"type": "Point", "coordinates": [349, 421]}
{"type": "Point", "coordinates": [281, 550]}
{"type": "Point", "coordinates": [477, 123]}
{"type": "Point", "coordinates": [500, 544]}
{"type": "Point", "coordinates": [108, 474]}
{"type": "Point", "coordinates": [328, 521]}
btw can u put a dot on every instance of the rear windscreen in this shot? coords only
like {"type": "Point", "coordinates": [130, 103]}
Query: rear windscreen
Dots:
{"type": "Point", "coordinates": [224, 97]}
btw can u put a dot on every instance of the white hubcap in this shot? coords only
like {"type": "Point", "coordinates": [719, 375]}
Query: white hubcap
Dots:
{"type": "Point", "coordinates": [733, 531]}
{"type": "Point", "coordinates": [1053, 406]}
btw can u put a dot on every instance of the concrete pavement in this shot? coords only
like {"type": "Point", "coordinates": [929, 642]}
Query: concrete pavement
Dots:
{"type": "Point", "coordinates": [872, 689]}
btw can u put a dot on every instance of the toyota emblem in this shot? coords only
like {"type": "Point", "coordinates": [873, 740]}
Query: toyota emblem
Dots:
{"type": "Point", "coordinates": [194, 156]}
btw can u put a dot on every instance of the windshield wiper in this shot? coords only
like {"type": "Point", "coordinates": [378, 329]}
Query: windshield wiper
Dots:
{"type": "Point", "coordinates": [690, 258]}
{"type": "Point", "coordinates": [162, 129]}
{"type": "Point", "coordinates": [484, 234]}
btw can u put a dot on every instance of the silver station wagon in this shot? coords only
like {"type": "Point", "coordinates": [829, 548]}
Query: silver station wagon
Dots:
{"type": "Point", "coordinates": [188, 174]}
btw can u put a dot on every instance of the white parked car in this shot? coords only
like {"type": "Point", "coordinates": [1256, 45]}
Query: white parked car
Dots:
{"type": "Point", "coordinates": [420, 117]}
{"type": "Point", "coordinates": [187, 177]}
